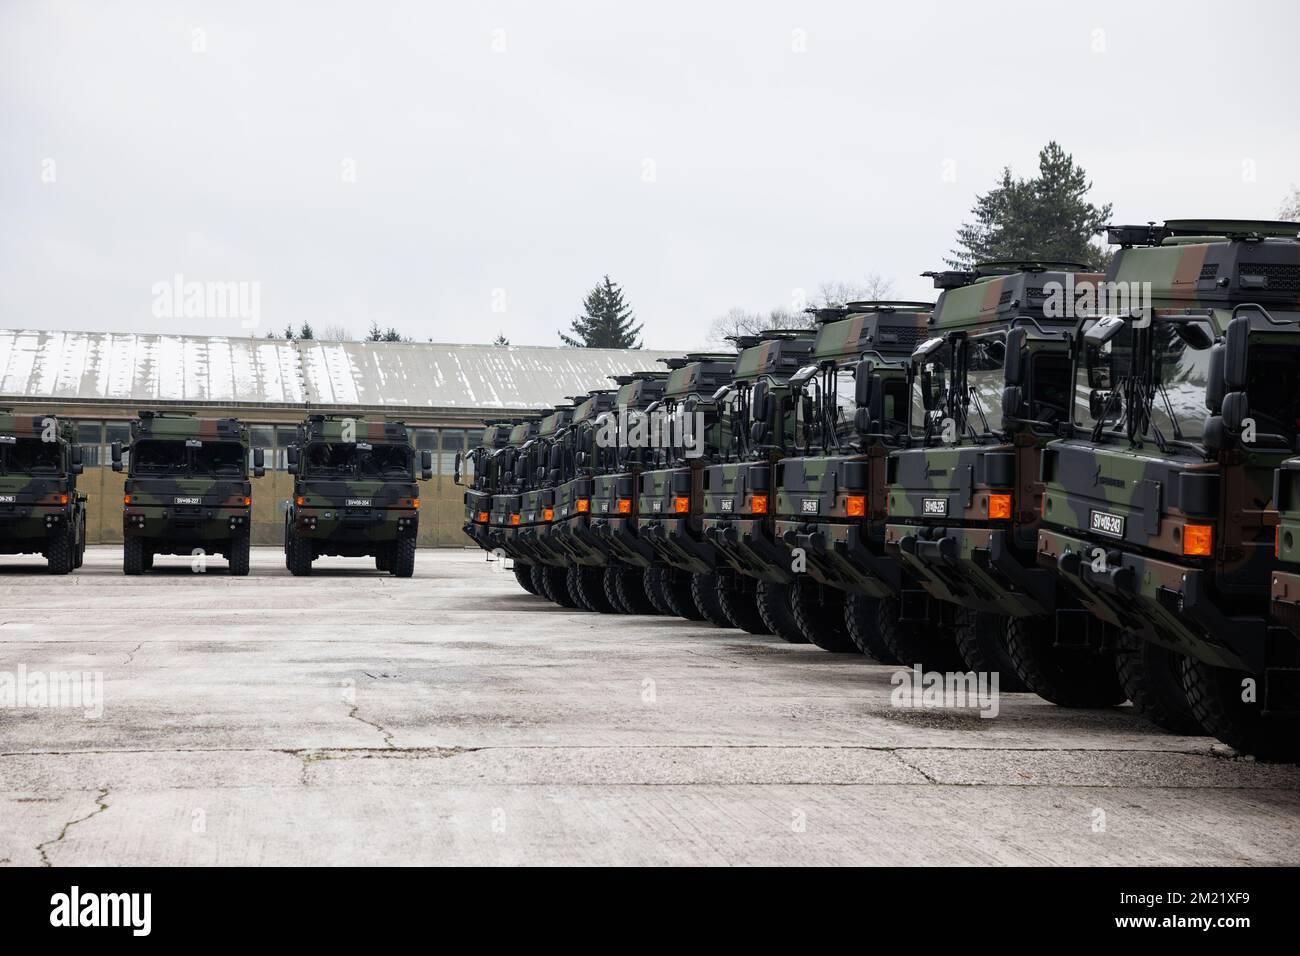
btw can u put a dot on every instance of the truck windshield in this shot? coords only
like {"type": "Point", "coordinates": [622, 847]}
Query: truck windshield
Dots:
{"type": "Point", "coordinates": [381, 460]}
{"type": "Point", "coordinates": [30, 456]}
{"type": "Point", "coordinates": [1182, 372]}
{"type": "Point", "coordinates": [154, 456]}
{"type": "Point", "coordinates": [985, 379]}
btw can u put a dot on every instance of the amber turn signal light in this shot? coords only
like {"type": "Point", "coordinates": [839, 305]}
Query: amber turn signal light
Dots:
{"type": "Point", "coordinates": [548, 514]}
{"type": "Point", "coordinates": [758, 504]}
{"type": "Point", "coordinates": [855, 506]}
{"type": "Point", "coordinates": [483, 517]}
{"type": "Point", "coordinates": [126, 499]}
{"type": "Point", "coordinates": [625, 506]}
{"type": "Point", "coordinates": [584, 505]}
{"type": "Point", "coordinates": [248, 502]}
{"type": "Point", "coordinates": [415, 502]}
{"type": "Point", "coordinates": [514, 519]}
{"type": "Point", "coordinates": [1198, 540]}
{"type": "Point", "coordinates": [999, 506]}
{"type": "Point", "coordinates": [681, 505]}
{"type": "Point", "coordinates": [299, 500]}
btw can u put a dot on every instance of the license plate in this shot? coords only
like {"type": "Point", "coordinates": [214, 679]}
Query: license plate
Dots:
{"type": "Point", "coordinates": [728, 504]}
{"type": "Point", "coordinates": [1103, 522]}
{"type": "Point", "coordinates": [604, 506]}
{"type": "Point", "coordinates": [187, 501]}
{"type": "Point", "coordinates": [657, 507]}
{"type": "Point", "coordinates": [8, 499]}
{"type": "Point", "coordinates": [357, 503]}
{"type": "Point", "coordinates": [809, 506]}
{"type": "Point", "coordinates": [935, 506]}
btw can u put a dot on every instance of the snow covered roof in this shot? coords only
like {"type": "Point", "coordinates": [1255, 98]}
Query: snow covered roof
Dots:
{"type": "Point", "coordinates": [152, 368]}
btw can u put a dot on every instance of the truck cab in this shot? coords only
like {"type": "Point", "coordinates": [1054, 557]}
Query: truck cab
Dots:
{"type": "Point", "coordinates": [41, 511]}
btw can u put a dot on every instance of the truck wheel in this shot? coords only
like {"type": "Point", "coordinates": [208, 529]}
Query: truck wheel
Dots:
{"type": "Point", "coordinates": [299, 555]}
{"type": "Point", "coordinates": [630, 585]}
{"type": "Point", "coordinates": [403, 559]}
{"type": "Point", "coordinates": [524, 575]}
{"type": "Point", "coordinates": [819, 614]}
{"type": "Point", "coordinates": [81, 541]}
{"type": "Point", "coordinates": [1063, 677]}
{"type": "Point", "coordinates": [148, 559]}
{"type": "Point", "coordinates": [133, 556]}
{"type": "Point", "coordinates": [677, 592]}
{"type": "Point", "coordinates": [61, 549]}
{"type": "Point", "coordinates": [1214, 697]}
{"type": "Point", "coordinates": [705, 594]}
{"type": "Point", "coordinates": [862, 621]}
{"type": "Point", "coordinates": [540, 582]}
{"type": "Point", "coordinates": [981, 642]}
{"type": "Point", "coordinates": [557, 587]}
{"type": "Point", "coordinates": [916, 642]}
{"type": "Point", "coordinates": [773, 602]}
{"type": "Point", "coordinates": [741, 607]}
{"type": "Point", "coordinates": [653, 584]}
{"type": "Point", "coordinates": [609, 584]}
{"type": "Point", "coordinates": [384, 559]}
{"type": "Point", "coordinates": [587, 585]}
{"type": "Point", "coordinates": [238, 555]}
{"type": "Point", "coordinates": [1152, 678]}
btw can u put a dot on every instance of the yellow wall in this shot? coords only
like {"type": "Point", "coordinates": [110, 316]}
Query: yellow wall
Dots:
{"type": "Point", "coordinates": [441, 508]}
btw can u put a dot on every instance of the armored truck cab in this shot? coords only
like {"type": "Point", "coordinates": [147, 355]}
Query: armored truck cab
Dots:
{"type": "Point", "coordinates": [187, 489]}
{"type": "Point", "coordinates": [830, 492]}
{"type": "Point", "coordinates": [504, 515]}
{"type": "Point", "coordinates": [751, 583]}
{"type": "Point", "coordinates": [537, 500]}
{"type": "Point", "coordinates": [478, 474]}
{"type": "Point", "coordinates": [1159, 506]}
{"type": "Point", "coordinates": [41, 511]}
{"type": "Point", "coordinates": [354, 494]}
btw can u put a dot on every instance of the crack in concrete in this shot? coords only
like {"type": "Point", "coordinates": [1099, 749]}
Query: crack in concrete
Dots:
{"type": "Point", "coordinates": [130, 655]}
{"type": "Point", "coordinates": [100, 807]}
{"type": "Point", "coordinates": [388, 737]}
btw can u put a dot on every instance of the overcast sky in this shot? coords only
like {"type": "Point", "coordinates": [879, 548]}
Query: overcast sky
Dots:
{"type": "Point", "coordinates": [458, 170]}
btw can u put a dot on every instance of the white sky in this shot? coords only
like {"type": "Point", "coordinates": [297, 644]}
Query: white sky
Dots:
{"type": "Point", "coordinates": [523, 170]}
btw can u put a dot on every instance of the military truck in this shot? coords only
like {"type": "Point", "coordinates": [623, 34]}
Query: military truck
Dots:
{"type": "Point", "coordinates": [354, 494]}
{"type": "Point", "coordinates": [990, 388]}
{"type": "Point", "coordinates": [529, 538]}
{"type": "Point", "coordinates": [187, 489]}
{"type": "Point", "coordinates": [41, 511]}
{"type": "Point", "coordinates": [477, 471]}
{"type": "Point", "coordinates": [671, 494]}
{"type": "Point", "coordinates": [1159, 504]}
{"type": "Point", "coordinates": [637, 420]}
{"type": "Point", "coordinates": [753, 583]}
{"type": "Point", "coordinates": [830, 492]}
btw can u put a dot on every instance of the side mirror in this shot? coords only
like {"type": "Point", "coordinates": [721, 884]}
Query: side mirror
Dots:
{"type": "Point", "coordinates": [76, 459]}
{"type": "Point", "coordinates": [1214, 390]}
{"type": "Point", "coordinates": [1234, 359]}
{"type": "Point", "coordinates": [1013, 364]}
{"type": "Point", "coordinates": [556, 458]}
{"type": "Point", "coordinates": [862, 421]}
{"type": "Point", "coordinates": [426, 466]}
{"type": "Point", "coordinates": [115, 452]}
{"type": "Point", "coordinates": [1236, 407]}
{"type": "Point", "coordinates": [1105, 329]}
{"type": "Point", "coordinates": [862, 383]}
{"type": "Point", "coordinates": [292, 466]}
{"type": "Point", "coordinates": [259, 462]}
{"type": "Point", "coordinates": [758, 432]}
{"type": "Point", "coordinates": [758, 402]}
{"type": "Point", "coordinates": [1012, 400]}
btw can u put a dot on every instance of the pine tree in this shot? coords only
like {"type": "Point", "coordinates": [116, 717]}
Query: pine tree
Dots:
{"type": "Point", "coordinates": [501, 339]}
{"type": "Point", "coordinates": [288, 333]}
{"type": "Point", "coordinates": [606, 322]}
{"type": "Point", "coordinates": [1047, 217]}
{"type": "Point", "coordinates": [306, 332]}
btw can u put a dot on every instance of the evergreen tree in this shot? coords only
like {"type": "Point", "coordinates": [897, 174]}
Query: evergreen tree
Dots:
{"type": "Point", "coordinates": [606, 321]}
{"type": "Point", "coordinates": [376, 334]}
{"type": "Point", "coordinates": [501, 339]}
{"type": "Point", "coordinates": [288, 332]}
{"type": "Point", "coordinates": [1047, 217]}
{"type": "Point", "coordinates": [306, 332]}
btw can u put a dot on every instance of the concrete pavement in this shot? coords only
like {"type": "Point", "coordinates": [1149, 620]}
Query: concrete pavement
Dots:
{"type": "Point", "coordinates": [351, 717]}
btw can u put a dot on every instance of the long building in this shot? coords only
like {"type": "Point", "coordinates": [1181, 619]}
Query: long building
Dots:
{"type": "Point", "coordinates": [99, 380]}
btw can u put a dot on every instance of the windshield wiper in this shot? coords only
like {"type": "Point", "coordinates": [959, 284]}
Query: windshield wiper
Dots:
{"type": "Point", "coordinates": [979, 409]}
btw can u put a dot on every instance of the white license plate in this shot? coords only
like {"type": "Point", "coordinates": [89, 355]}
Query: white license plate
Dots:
{"type": "Point", "coordinates": [728, 504]}
{"type": "Point", "coordinates": [187, 501]}
{"type": "Point", "coordinates": [357, 503]}
{"type": "Point", "coordinates": [1103, 522]}
{"type": "Point", "coordinates": [935, 506]}
{"type": "Point", "coordinates": [809, 506]}
{"type": "Point", "coordinates": [657, 507]}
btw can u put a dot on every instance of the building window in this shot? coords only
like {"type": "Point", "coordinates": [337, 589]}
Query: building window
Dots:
{"type": "Point", "coordinates": [89, 436]}
{"type": "Point", "coordinates": [453, 442]}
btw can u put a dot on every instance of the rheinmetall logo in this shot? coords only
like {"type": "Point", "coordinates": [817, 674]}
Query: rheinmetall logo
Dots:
{"type": "Point", "coordinates": [1103, 522]}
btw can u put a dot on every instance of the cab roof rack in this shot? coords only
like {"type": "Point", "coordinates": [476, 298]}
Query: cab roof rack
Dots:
{"type": "Point", "coordinates": [1235, 230]}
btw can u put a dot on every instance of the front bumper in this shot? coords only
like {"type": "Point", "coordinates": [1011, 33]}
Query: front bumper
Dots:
{"type": "Point", "coordinates": [374, 524]}
{"type": "Point", "coordinates": [675, 543]}
{"type": "Point", "coordinates": [216, 523]}
{"type": "Point", "coordinates": [748, 545]}
{"type": "Point", "coordinates": [844, 555]}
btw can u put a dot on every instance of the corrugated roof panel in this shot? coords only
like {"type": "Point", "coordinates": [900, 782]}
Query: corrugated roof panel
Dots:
{"type": "Point", "coordinates": [145, 368]}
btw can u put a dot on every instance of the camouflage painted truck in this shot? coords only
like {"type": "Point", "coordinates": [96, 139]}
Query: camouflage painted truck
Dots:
{"type": "Point", "coordinates": [637, 420]}
{"type": "Point", "coordinates": [510, 484]}
{"type": "Point", "coordinates": [354, 494]}
{"type": "Point", "coordinates": [579, 457]}
{"type": "Point", "coordinates": [187, 489]}
{"type": "Point", "coordinates": [671, 496]}
{"type": "Point", "coordinates": [752, 584]}
{"type": "Point", "coordinates": [1160, 506]}
{"type": "Point", "coordinates": [477, 472]}
{"type": "Point", "coordinates": [989, 389]}
{"type": "Point", "coordinates": [537, 500]}
{"type": "Point", "coordinates": [41, 511]}
{"type": "Point", "coordinates": [830, 492]}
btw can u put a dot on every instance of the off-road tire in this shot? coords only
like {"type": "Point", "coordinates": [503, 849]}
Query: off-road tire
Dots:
{"type": "Point", "coordinates": [133, 555]}
{"type": "Point", "coordinates": [629, 583]}
{"type": "Point", "coordinates": [81, 541]}
{"type": "Point", "coordinates": [524, 574]}
{"type": "Point", "coordinates": [300, 556]}
{"type": "Point", "coordinates": [384, 559]}
{"type": "Point", "coordinates": [819, 614]}
{"type": "Point", "coordinates": [1214, 698]}
{"type": "Point", "coordinates": [916, 642]}
{"type": "Point", "coordinates": [148, 558]}
{"type": "Point", "coordinates": [609, 584]}
{"type": "Point", "coordinates": [238, 555]}
{"type": "Point", "coordinates": [1151, 677]}
{"type": "Point", "coordinates": [980, 641]}
{"type": "Point", "coordinates": [557, 587]}
{"type": "Point", "coordinates": [677, 592]}
{"type": "Point", "coordinates": [773, 602]}
{"type": "Point", "coordinates": [541, 582]}
{"type": "Point", "coordinates": [61, 549]}
{"type": "Point", "coordinates": [704, 591]}
{"type": "Point", "coordinates": [653, 584]}
{"type": "Point", "coordinates": [862, 621]}
{"type": "Point", "coordinates": [1066, 678]}
{"type": "Point", "coordinates": [403, 565]}
{"type": "Point", "coordinates": [741, 607]}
